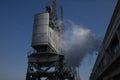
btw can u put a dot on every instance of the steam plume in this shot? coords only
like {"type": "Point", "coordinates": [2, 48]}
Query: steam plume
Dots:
{"type": "Point", "coordinates": [78, 42]}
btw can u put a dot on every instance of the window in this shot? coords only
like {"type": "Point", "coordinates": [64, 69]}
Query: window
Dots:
{"type": "Point", "coordinates": [104, 61]}
{"type": "Point", "coordinates": [115, 45]}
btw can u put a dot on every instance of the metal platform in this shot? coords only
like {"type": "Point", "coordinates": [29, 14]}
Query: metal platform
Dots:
{"type": "Point", "coordinates": [49, 66]}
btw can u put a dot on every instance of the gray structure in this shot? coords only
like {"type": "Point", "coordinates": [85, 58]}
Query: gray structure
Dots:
{"type": "Point", "coordinates": [107, 65]}
{"type": "Point", "coordinates": [44, 34]}
{"type": "Point", "coordinates": [47, 60]}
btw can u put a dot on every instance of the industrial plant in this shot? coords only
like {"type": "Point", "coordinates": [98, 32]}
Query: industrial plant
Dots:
{"type": "Point", "coordinates": [107, 65]}
{"type": "Point", "coordinates": [47, 61]}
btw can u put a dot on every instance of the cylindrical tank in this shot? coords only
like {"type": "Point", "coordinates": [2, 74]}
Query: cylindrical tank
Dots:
{"type": "Point", "coordinates": [40, 29]}
{"type": "Point", "coordinates": [45, 35]}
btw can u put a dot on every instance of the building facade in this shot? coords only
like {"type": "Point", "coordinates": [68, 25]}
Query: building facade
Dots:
{"type": "Point", "coordinates": [107, 65]}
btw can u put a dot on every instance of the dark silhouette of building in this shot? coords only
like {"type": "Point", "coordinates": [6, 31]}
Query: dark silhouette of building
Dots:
{"type": "Point", "coordinates": [107, 65]}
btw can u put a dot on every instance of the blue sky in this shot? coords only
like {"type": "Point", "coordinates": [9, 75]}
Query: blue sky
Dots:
{"type": "Point", "coordinates": [16, 23]}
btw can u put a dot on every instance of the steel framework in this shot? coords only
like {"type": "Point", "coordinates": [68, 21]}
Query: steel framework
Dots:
{"type": "Point", "coordinates": [47, 66]}
{"type": "Point", "coordinates": [46, 63]}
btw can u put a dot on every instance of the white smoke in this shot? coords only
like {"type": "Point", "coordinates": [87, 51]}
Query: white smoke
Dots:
{"type": "Point", "coordinates": [78, 41]}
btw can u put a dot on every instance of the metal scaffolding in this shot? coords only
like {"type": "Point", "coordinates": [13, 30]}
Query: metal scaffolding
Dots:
{"type": "Point", "coordinates": [47, 66]}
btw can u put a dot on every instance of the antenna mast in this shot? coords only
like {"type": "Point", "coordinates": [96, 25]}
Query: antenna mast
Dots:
{"type": "Point", "coordinates": [54, 8]}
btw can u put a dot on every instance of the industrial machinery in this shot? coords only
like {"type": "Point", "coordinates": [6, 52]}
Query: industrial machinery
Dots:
{"type": "Point", "coordinates": [46, 62]}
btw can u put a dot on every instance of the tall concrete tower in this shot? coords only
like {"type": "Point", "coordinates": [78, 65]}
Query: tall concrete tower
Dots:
{"type": "Point", "coordinates": [47, 60]}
